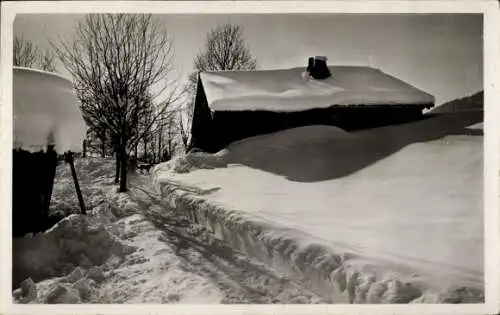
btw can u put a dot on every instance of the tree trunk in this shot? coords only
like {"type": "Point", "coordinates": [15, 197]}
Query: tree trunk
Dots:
{"type": "Point", "coordinates": [84, 153]}
{"type": "Point", "coordinates": [123, 166]}
{"type": "Point", "coordinates": [69, 159]}
{"type": "Point", "coordinates": [153, 149]}
{"type": "Point", "coordinates": [160, 134]}
{"type": "Point", "coordinates": [117, 167]}
{"type": "Point", "coordinates": [103, 147]}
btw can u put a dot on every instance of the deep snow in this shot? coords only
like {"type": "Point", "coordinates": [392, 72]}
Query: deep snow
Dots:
{"type": "Point", "coordinates": [131, 248]}
{"type": "Point", "coordinates": [400, 202]}
{"type": "Point", "coordinates": [291, 90]}
{"type": "Point", "coordinates": [46, 111]}
{"type": "Point", "coordinates": [472, 102]}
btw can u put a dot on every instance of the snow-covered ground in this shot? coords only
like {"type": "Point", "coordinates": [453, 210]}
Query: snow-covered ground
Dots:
{"type": "Point", "coordinates": [392, 214]}
{"type": "Point", "coordinates": [131, 248]}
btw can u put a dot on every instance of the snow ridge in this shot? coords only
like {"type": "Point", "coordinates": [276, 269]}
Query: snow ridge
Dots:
{"type": "Point", "coordinates": [336, 277]}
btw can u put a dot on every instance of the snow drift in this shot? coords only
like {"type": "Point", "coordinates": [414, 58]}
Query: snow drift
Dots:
{"type": "Point", "coordinates": [473, 102]}
{"type": "Point", "coordinates": [46, 111]}
{"type": "Point", "coordinates": [389, 215]}
{"type": "Point", "coordinates": [88, 260]}
{"type": "Point", "coordinates": [131, 248]}
{"type": "Point", "coordinates": [114, 254]}
{"type": "Point", "coordinates": [290, 90]}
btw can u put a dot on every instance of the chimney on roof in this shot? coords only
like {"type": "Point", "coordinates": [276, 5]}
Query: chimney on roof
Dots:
{"type": "Point", "coordinates": [318, 68]}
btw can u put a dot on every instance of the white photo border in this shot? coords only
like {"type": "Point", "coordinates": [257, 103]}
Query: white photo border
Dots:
{"type": "Point", "coordinates": [491, 66]}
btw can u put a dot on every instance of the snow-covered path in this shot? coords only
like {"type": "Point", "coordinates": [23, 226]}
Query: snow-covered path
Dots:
{"type": "Point", "coordinates": [241, 278]}
{"type": "Point", "coordinates": [134, 249]}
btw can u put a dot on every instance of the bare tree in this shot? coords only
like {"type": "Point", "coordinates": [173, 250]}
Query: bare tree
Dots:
{"type": "Point", "coordinates": [120, 63]}
{"type": "Point", "coordinates": [97, 143]}
{"type": "Point", "coordinates": [47, 61]}
{"type": "Point", "coordinates": [27, 54]}
{"type": "Point", "coordinates": [183, 129]}
{"type": "Point", "coordinates": [148, 137]}
{"type": "Point", "coordinates": [166, 139]}
{"type": "Point", "coordinates": [225, 49]}
{"type": "Point", "coordinates": [98, 139]}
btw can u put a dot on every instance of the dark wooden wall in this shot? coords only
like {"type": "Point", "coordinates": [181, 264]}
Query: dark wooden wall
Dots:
{"type": "Point", "coordinates": [213, 131]}
{"type": "Point", "coordinates": [32, 181]}
{"type": "Point", "coordinates": [201, 126]}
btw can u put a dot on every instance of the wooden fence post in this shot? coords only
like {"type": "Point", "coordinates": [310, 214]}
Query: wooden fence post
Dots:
{"type": "Point", "coordinates": [69, 159]}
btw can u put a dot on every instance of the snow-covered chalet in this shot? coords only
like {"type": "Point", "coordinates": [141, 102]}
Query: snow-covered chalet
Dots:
{"type": "Point", "coordinates": [233, 105]}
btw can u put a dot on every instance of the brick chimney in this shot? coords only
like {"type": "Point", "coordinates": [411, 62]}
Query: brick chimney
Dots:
{"type": "Point", "coordinates": [318, 68]}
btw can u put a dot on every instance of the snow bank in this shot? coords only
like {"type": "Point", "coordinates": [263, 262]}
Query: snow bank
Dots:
{"type": "Point", "coordinates": [289, 90]}
{"type": "Point", "coordinates": [473, 102]}
{"type": "Point", "coordinates": [76, 241]}
{"type": "Point", "coordinates": [390, 215]}
{"type": "Point", "coordinates": [337, 275]}
{"type": "Point", "coordinates": [157, 256]}
{"type": "Point", "coordinates": [153, 273]}
{"type": "Point", "coordinates": [46, 111]}
{"type": "Point", "coordinates": [478, 126]}
{"type": "Point", "coordinates": [246, 149]}
{"type": "Point", "coordinates": [194, 161]}
{"type": "Point", "coordinates": [126, 262]}
{"type": "Point", "coordinates": [112, 255]}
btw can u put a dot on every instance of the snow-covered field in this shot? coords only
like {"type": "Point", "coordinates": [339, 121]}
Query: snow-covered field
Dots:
{"type": "Point", "coordinates": [391, 215]}
{"type": "Point", "coordinates": [131, 248]}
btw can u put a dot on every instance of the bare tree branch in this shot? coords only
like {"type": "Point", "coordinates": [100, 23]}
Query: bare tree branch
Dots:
{"type": "Point", "coordinates": [121, 65]}
{"type": "Point", "coordinates": [27, 54]}
{"type": "Point", "coordinates": [47, 61]}
{"type": "Point", "coordinates": [225, 50]}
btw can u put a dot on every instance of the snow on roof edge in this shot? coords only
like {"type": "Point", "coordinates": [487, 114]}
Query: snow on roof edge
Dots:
{"type": "Point", "coordinates": [45, 111]}
{"type": "Point", "coordinates": [39, 71]}
{"type": "Point", "coordinates": [239, 87]}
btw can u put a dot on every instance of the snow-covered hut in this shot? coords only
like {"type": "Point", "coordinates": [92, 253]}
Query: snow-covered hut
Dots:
{"type": "Point", "coordinates": [47, 122]}
{"type": "Point", "coordinates": [232, 105]}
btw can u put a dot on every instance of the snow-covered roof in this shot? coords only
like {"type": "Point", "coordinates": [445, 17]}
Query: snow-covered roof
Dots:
{"type": "Point", "coordinates": [293, 90]}
{"type": "Point", "coordinates": [46, 111]}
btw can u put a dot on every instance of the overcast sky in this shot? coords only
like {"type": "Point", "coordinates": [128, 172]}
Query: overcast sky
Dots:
{"type": "Point", "coordinates": [439, 53]}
